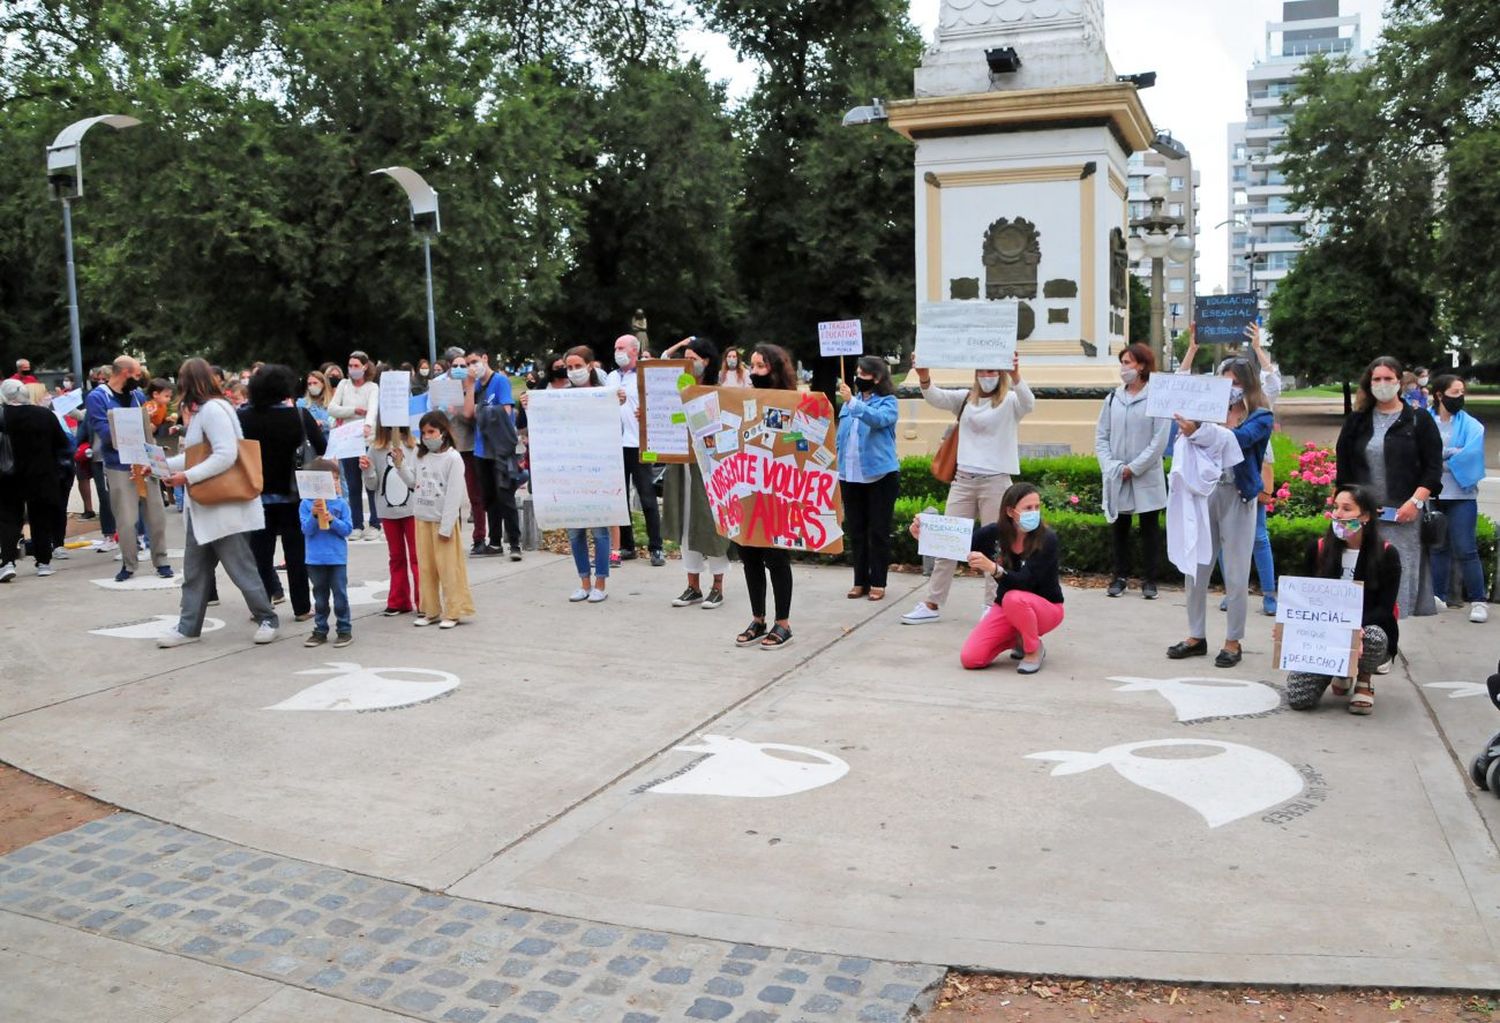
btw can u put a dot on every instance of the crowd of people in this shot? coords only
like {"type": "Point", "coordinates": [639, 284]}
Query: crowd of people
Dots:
{"type": "Point", "coordinates": [1402, 513]}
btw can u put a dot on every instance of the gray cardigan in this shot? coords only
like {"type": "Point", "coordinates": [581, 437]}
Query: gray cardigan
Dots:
{"type": "Point", "coordinates": [1125, 436]}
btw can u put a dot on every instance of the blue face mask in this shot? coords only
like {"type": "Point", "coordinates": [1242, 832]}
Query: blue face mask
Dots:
{"type": "Point", "coordinates": [1029, 520]}
{"type": "Point", "coordinates": [460, 372]}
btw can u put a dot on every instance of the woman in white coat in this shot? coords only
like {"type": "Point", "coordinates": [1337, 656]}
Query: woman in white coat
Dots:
{"type": "Point", "coordinates": [1130, 445]}
{"type": "Point", "coordinates": [215, 533]}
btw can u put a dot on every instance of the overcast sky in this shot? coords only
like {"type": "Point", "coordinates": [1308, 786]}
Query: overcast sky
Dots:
{"type": "Point", "coordinates": [1200, 50]}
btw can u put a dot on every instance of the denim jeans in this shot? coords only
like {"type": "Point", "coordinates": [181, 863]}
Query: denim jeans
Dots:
{"type": "Point", "coordinates": [330, 580]}
{"type": "Point", "coordinates": [578, 540]}
{"type": "Point", "coordinates": [1463, 519]}
{"type": "Point", "coordinates": [1265, 564]}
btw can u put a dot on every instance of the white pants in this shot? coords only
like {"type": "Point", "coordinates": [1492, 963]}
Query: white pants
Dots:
{"type": "Point", "coordinates": [697, 564]}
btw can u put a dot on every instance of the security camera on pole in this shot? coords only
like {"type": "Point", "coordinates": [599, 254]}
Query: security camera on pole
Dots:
{"type": "Point", "coordinates": [425, 219]}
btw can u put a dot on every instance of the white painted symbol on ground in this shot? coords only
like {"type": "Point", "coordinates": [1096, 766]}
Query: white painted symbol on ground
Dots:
{"type": "Point", "coordinates": [1224, 781]}
{"type": "Point", "coordinates": [371, 591]}
{"type": "Point", "coordinates": [355, 688]}
{"type": "Point", "coordinates": [1460, 689]}
{"type": "Point", "coordinates": [154, 627]}
{"type": "Point", "coordinates": [1198, 698]}
{"type": "Point", "coordinates": [145, 580]}
{"type": "Point", "coordinates": [753, 770]}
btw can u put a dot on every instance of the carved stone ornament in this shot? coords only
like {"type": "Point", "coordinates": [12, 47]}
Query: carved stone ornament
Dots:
{"type": "Point", "coordinates": [1119, 270]}
{"type": "Point", "coordinates": [973, 17]}
{"type": "Point", "coordinates": [1012, 252]}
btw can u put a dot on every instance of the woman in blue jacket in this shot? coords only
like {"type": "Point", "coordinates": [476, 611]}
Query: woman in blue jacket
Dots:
{"type": "Point", "coordinates": [869, 473]}
{"type": "Point", "coordinates": [1463, 468]}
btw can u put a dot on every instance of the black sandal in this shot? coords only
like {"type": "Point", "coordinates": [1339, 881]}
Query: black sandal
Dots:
{"type": "Point", "coordinates": [779, 636]}
{"type": "Point", "coordinates": [750, 635]}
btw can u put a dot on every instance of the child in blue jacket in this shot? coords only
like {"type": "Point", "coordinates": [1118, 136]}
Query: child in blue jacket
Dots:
{"type": "Point", "coordinates": [327, 525]}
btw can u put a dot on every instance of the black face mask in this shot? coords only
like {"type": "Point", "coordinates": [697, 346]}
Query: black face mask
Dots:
{"type": "Point", "coordinates": [865, 385]}
{"type": "Point", "coordinates": [760, 380]}
{"type": "Point", "coordinates": [1453, 405]}
{"type": "Point", "coordinates": [559, 372]}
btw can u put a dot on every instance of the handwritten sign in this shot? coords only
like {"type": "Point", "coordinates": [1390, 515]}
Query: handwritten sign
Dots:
{"type": "Point", "coordinates": [1223, 318]}
{"type": "Point", "coordinates": [664, 431]}
{"type": "Point", "coordinates": [445, 394]}
{"type": "Point", "coordinates": [1315, 648]}
{"type": "Point", "coordinates": [156, 457]}
{"type": "Point", "coordinates": [769, 486]}
{"type": "Point", "coordinates": [841, 337]}
{"type": "Point", "coordinates": [1319, 620]}
{"type": "Point", "coordinates": [67, 402]}
{"type": "Point", "coordinates": [1201, 398]}
{"type": "Point", "coordinates": [127, 430]}
{"type": "Point", "coordinates": [967, 335]}
{"type": "Point", "coordinates": [577, 475]}
{"type": "Point", "coordinates": [395, 398]}
{"type": "Point", "coordinates": [313, 485]}
{"type": "Point", "coordinates": [347, 441]}
{"type": "Point", "coordinates": [949, 537]}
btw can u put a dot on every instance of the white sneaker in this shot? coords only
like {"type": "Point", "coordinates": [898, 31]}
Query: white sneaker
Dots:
{"type": "Point", "coordinates": [1479, 612]}
{"type": "Point", "coordinates": [7, 572]}
{"type": "Point", "coordinates": [373, 533]}
{"type": "Point", "coordinates": [46, 570]}
{"type": "Point", "coordinates": [921, 614]}
{"type": "Point", "coordinates": [448, 623]}
{"type": "Point", "coordinates": [579, 595]}
{"type": "Point", "coordinates": [266, 633]}
{"type": "Point", "coordinates": [59, 554]}
{"type": "Point", "coordinates": [175, 638]}
{"type": "Point", "coordinates": [108, 546]}
{"type": "Point", "coordinates": [598, 596]}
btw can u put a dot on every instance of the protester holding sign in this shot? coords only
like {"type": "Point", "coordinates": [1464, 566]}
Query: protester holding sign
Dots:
{"type": "Point", "coordinates": [623, 380]}
{"type": "Point", "coordinates": [107, 406]}
{"type": "Point", "coordinates": [390, 472]}
{"type": "Point", "coordinates": [1130, 445]}
{"type": "Point", "coordinates": [29, 491]}
{"type": "Point", "coordinates": [1397, 452]}
{"type": "Point", "coordinates": [869, 471]}
{"type": "Point", "coordinates": [1354, 549]}
{"type": "Point", "coordinates": [326, 524]}
{"type": "Point", "coordinates": [687, 513]}
{"type": "Point", "coordinates": [770, 367]}
{"type": "Point", "coordinates": [989, 415]}
{"type": "Point", "coordinates": [439, 509]}
{"type": "Point", "coordinates": [352, 402]}
{"type": "Point", "coordinates": [1463, 468]}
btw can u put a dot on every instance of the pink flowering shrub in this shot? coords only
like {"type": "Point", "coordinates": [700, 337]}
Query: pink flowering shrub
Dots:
{"type": "Point", "coordinates": [1308, 489]}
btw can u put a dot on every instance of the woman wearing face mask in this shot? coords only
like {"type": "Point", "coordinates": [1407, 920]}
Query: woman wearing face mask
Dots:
{"type": "Point", "coordinates": [1353, 549]}
{"type": "Point", "coordinates": [1230, 509]}
{"type": "Point", "coordinates": [1463, 468]}
{"type": "Point", "coordinates": [1130, 445]}
{"type": "Point", "coordinates": [353, 399]}
{"type": "Point", "coordinates": [770, 367]}
{"type": "Point", "coordinates": [989, 415]}
{"type": "Point", "coordinates": [1021, 556]}
{"type": "Point", "coordinates": [869, 472]}
{"type": "Point", "coordinates": [732, 372]}
{"type": "Point", "coordinates": [421, 377]}
{"type": "Point", "coordinates": [1397, 452]}
{"type": "Point", "coordinates": [315, 401]}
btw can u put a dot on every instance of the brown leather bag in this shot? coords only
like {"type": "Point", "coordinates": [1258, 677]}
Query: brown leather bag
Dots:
{"type": "Point", "coordinates": [242, 481]}
{"type": "Point", "coordinates": [945, 462]}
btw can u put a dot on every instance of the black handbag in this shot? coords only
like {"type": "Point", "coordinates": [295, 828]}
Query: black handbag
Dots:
{"type": "Point", "coordinates": [1434, 527]}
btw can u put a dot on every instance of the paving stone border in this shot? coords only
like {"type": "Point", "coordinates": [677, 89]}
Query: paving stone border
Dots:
{"type": "Point", "coordinates": [426, 955]}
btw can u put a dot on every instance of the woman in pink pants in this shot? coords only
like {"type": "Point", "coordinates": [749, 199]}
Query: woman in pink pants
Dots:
{"type": "Point", "coordinates": [1021, 554]}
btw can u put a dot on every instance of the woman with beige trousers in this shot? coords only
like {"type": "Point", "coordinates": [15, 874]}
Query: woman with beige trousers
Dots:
{"type": "Point", "coordinates": [989, 417]}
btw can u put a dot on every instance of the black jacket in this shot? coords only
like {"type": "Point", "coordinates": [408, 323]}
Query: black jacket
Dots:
{"type": "Point", "coordinates": [39, 444]}
{"type": "Point", "coordinates": [280, 430]}
{"type": "Point", "coordinates": [1380, 571]}
{"type": "Point", "coordinates": [1036, 574]}
{"type": "Point", "coordinates": [1413, 454]}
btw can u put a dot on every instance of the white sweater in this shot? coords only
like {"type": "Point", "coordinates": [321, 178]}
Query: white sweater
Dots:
{"type": "Point", "coordinates": [988, 434]}
{"type": "Point", "coordinates": [441, 495]}
{"type": "Point", "coordinates": [349, 396]}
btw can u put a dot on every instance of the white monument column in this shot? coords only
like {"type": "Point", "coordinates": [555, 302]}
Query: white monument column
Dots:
{"type": "Point", "coordinates": [1022, 134]}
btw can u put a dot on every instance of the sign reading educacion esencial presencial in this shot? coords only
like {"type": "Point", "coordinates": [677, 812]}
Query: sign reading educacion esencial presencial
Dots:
{"type": "Point", "coordinates": [1203, 397]}
{"type": "Point", "coordinates": [1319, 619]}
{"type": "Point", "coordinates": [771, 468]}
{"type": "Point", "coordinates": [838, 338]}
{"type": "Point", "coordinates": [1222, 319]}
{"type": "Point", "coordinates": [977, 334]}
{"type": "Point", "coordinates": [577, 475]}
{"type": "Point", "coordinates": [664, 430]}
{"type": "Point", "coordinates": [949, 537]}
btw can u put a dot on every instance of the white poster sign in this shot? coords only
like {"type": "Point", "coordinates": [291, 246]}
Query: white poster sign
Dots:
{"type": "Point", "coordinates": [1325, 601]}
{"type": "Point", "coordinates": [348, 441]}
{"type": "Point", "coordinates": [156, 457]}
{"type": "Point", "coordinates": [974, 334]}
{"type": "Point", "coordinates": [395, 398]}
{"type": "Point", "coordinates": [1199, 397]}
{"type": "Point", "coordinates": [841, 337]}
{"type": "Point", "coordinates": [945, 536]}
{"type": "Point", "coordinates": [577, 475]}
{"type": "Point", "coordinates": [65, 403]}
{"type": "Point", "coordinates": [666, 432]}
{"type": "Point", "coordinates": [1315, 647]}
{"type": "Point", "coordinates": [127, 429]}
{"type": "Point", "coordinates": [446, 395]}
{"type": "Point", "coordinates": [313, 485]}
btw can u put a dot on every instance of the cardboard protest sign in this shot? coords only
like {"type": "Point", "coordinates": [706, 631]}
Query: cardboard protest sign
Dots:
{"type": "Point", "coordinates": [313, 485]}
{"type": "Point", "coordinates": [664, 429]}
{"type": "Point", "coordinates": [968, 334]}
{"type": "Point", "coordinates": [1220, 319]}
{"type": "Point", "coordinates": [1201, 398]}
{"type": "Point", "coordinates": [945, 536]}
{"type": "Point", "coordinates": [838, 338]}
{"type": "Point", "coordinates": [770, 484]}
{"type": "Point", "coordinates": [127, 431]}
{"type": "Point", "coordinates": [1318, 624]}
{"type": "Point", "coordinates": [577, 474]}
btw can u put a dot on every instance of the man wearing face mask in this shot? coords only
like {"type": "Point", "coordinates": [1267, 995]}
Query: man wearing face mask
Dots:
{"type": "Point", "coordinates": [495, 453]}
{"type": "Point", "coordinates": [127, 502]}
{"type": "Point", "coordinates": [622, 379]}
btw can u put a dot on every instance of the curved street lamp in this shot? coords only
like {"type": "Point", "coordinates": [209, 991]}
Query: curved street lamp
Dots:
{"type": "Point", "coordinates": [426, 221]}
{"type": "Point", "coordinates": [65, 183]}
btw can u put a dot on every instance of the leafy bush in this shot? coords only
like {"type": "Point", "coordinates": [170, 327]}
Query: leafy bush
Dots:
{"type": "Point", "coordinates": [1307, 487]}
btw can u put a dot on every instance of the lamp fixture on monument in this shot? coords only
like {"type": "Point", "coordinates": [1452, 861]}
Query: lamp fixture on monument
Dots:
{"type": "Point", "coordinates": [1159, 237]}
{"type": "Point", "coordinates": [427, 222]}
{"type": "Point", "coordinates": [65, 183]}
{"type": "Point", "coordinates": [875, 113]}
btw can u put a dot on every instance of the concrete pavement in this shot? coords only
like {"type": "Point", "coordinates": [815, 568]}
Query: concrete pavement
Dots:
{"type": "Point", "coordinates": [857, 794]}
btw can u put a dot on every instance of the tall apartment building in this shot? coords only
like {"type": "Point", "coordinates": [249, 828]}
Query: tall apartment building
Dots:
{"type": "Point", "coordinates": [1182, 201]}
{"type": "Point", "coordinates": [1267, 238]}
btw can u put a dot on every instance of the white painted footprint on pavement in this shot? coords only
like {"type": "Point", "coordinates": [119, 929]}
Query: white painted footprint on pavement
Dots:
{"type": "Point", "coordinates": [737, 767]}
{"type": "Point", "coordinates": [143, 580]}
{"type": "Point", "coordinates": [371, 591]}
{"type": "Point", "coordinates": [154, 627]}
{"type": "Point", "coordinates": [1197, 698]}
{"type": "Point", "coordinates": [355, 688]}
{"type": "Point", "coordinates": [1223, 782]}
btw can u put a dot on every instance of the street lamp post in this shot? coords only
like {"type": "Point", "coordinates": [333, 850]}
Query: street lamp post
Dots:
{"type": "Point", "coordinates": [1159, 237]}
{"type": "Point", "coordinates": [65, 183]}
{"type": "Point", "coordinates": [426, 221]}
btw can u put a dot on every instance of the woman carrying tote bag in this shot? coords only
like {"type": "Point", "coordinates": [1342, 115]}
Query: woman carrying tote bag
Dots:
{"type": "Point", "coordinates": [223, 507]}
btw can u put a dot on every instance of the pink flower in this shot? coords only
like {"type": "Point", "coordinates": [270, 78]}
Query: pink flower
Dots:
{"type": "Point", "coordinates": [1284, 493]}
{"type": "Point", "coordinates": [1310, 445]}
{"type": "Point", "coordinates": [1072, 498]}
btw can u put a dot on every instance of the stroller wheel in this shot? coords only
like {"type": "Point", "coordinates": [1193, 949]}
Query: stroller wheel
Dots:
{"type": "Point", "coordinates": [1492, 777]}
{"type": "Point", "coordinates": [1477, 768]}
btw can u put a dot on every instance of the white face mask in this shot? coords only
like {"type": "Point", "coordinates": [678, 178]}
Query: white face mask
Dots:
{"type": "Point", "coordinates": [314, 389]}
{"type": "Point", "coordinates": [1385, 391]}
{"type": "Point", "coordinates": [733, 362]}
{"type": "Point", "coordinates": [987, 384]}
{"type": "Point", "coordinates": [422, 371]}
{"type": "Point", "coordinates": [356, 373]}
{"type": "Point", "coordinates": [1422, 381]}
{"type": "Point", "coordinates": [622, 359]}
{"type": "Point", "coordinates": [578, 377]}
{"type": "Point", "coordinates": [1128, 375]}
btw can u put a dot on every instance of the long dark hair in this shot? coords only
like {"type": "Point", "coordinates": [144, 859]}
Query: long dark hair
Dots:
{"type": "Point", "coordinates": [706, 350]}
{"type": "Point", "coordinates": [196, 384]}
{"type": "Point", "coordinates": [1008, 528]}
{"type": "Point", "coordinates": [1364, 401]}
{"type": "Point", "coordinates": [880, 370]}
{"type": "Point", "coordinates": [1331, 550]}
{"type": "Point", "coordinates": [783, 376]}
{"type": "Point", "coordinates": [438, 421]}
{"type": "Point", "coordinates": [271, 385]}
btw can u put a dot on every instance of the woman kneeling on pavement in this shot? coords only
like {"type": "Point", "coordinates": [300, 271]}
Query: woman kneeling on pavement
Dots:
{"type": "Point", "coordinates": [1353, 550]}
{"type": "Point", "coordinates": [1021, 556]}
